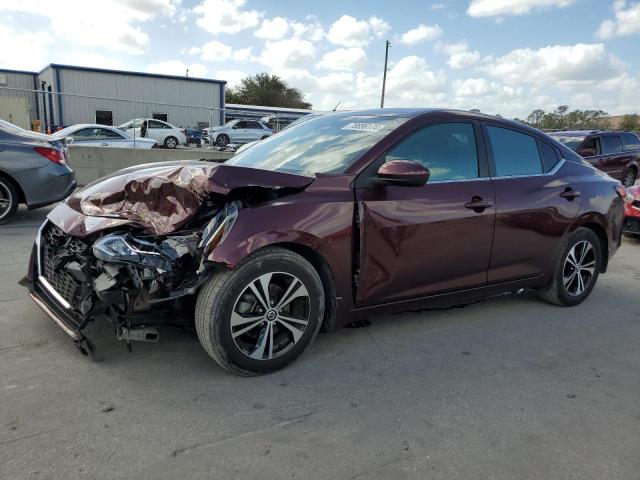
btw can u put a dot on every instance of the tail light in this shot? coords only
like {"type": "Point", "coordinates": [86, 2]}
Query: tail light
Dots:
{"type": "Point", "coordinates": [53, 154]}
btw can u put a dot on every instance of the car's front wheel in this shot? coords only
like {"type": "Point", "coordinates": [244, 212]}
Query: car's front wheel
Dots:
{"type": "Point", "coordinates": [260, 316]}
{"type": "Point", "coordinates": [576, 273]}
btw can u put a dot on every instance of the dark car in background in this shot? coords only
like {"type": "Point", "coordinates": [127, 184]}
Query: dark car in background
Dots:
{"type": "Point", "coordinates": [616, 153]}
{"type": "Point", "coordinates": [339, 218]}
{"type": "Point", "coordinates": [33, 170]}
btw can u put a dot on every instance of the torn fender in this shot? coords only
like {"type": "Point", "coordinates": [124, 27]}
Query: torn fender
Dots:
{"type": "Point", "coordinates": [160, 198]}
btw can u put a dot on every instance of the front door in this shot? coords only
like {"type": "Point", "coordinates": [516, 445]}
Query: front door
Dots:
{"type": "Point", "coordinates": [420, 241]}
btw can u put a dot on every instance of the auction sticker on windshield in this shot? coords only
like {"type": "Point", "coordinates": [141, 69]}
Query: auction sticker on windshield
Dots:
{"type": "Point", "coordinates": [364, 127]}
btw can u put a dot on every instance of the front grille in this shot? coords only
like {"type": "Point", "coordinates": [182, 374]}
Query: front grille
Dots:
{"type": "Point", "coordinates": [58, 250]}
{"type": "Point", "coordinates": [631, 225]}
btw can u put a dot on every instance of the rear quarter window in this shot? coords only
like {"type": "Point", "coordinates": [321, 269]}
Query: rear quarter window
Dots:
{"type": "Point", "coordinates": [549, 156]}
{"type": "Point", "coordinates": [611, 144]}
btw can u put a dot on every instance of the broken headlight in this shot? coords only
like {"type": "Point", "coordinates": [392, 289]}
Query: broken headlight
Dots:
{"type": "Point", "coordinates": [219, 227]}
{"type": "Point", "coordinates": [114, 248]}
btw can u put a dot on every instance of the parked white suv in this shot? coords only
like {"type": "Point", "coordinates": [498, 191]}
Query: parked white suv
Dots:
{"type": "Point", "coordinates": [238, 131]}
{"type": "Point", "coordinates": [164, 133]}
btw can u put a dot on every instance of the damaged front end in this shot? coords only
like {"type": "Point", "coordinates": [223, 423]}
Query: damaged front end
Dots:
{"type": "Point", "coordinates": [137, 256]}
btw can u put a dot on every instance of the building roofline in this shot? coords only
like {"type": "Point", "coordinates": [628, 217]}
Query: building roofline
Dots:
{"type": "Point", "coordinates": [10, 70]}
{"type": "Point", "coordinates": [130, 73]}
{"type": "Point", "coordinates": [261, 108]}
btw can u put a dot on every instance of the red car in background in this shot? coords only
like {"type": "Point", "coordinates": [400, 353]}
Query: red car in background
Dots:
{"type": "Point", "coordinates": [631, 225]}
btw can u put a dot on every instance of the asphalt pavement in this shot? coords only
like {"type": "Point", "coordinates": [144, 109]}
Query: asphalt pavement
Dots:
{"type": "Point", "coordinates": [509, 388]}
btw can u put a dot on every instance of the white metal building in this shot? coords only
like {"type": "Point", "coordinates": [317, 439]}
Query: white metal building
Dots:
{"type": "Point", "coordinates": [17, 106]}
{"type": "Point", "coordinates": [71, 94]}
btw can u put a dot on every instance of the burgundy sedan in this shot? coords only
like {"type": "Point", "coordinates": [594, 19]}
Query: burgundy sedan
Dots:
{"type": "Point", "coordinates": [330, 221]}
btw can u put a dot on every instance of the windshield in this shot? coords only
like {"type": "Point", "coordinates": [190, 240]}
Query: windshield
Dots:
{"type": "Point", "coordinates": [571, 141]}
{"type": "Point", "coordinates": [328, 144]}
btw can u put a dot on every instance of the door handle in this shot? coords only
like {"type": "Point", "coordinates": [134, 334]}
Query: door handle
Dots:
{"type": "Point", "coordinates": [477, 204]}
{"type": "Point", "coordinates": [105, 144]}
{"type": "Point", "coordinates": [569, 193]}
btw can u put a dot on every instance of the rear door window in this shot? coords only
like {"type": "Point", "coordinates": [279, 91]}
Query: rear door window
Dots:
{"type": "Point", "coordinates": [631, 141]}
{"type": "Point", "coordinates": [611, 144]}
{"type": "Point", "coordinates": [448, 150]}
{"type": "Point", "coordinates": [514, 153]}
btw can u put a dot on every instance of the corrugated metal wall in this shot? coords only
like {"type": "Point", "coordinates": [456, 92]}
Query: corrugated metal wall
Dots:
{"type": "Point", "coordinates": [141, 88]}
{"type": "Point", "coordinates": [20, 80]}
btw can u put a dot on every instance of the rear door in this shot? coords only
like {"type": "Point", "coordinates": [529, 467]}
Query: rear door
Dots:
{"type": "Point", "coordinates": [535, 203]}
{"type": "Point", "coordinates": [254, 131]}
{"type": "Point", "coordinates": [157, 131]}
{"type": "Point", "coordinates": [420, 241]}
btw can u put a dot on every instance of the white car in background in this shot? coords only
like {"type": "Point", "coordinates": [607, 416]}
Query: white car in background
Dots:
{"type": "Point", "coordinates": [94, 135]}
{"type": "Point", "coordinates": [237, 131]}
{"type": "Point", "coordinates": [167, 135]}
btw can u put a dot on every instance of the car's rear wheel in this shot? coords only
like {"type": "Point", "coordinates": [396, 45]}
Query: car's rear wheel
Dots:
{"type": "Point", "coordinates": [8, 200]}
{"type": "Point", "coordinates": [260, 316]}
{"type": "Point", "coordinates": [222, 140]}
{"type": "Point", "coordinates": [575, 276]}
{"type": "Point", "coordinates": [171, 142]}
{"type": "Point", "coordinates": [629, 177]}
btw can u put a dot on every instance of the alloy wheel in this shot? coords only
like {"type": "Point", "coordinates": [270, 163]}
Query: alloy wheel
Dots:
{"type": "Point", "coordinates": [629, 179]}
{"type": "Point", "coordinates": [5, 200]}
{"type": "Point", "coordinates": [579, 268]}
{"type": "Point", "coordinates": [171, 142]}
{"type": "Point", "coordinates": [270, 315]}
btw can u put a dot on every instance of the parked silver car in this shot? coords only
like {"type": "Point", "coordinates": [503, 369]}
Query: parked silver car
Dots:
{"type": "Point", "coordinates": [94, 135]}
{"type": "Point", "coordinates": [238, 131]}
{"type": "Point", "coordinates": [33, 170]}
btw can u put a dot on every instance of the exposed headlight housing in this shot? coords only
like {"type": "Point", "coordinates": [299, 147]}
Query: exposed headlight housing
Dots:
{"type": "Point", "coordinates": [219, 227]}
{"type": "Point", "coordinates": [114, 248]}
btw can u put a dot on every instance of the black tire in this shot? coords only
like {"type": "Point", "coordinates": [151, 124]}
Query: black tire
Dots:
{"type": "Point", "coordinates": [171, 142]}
{"type": "Point", "coordinates": [226, 291]}
{"type": "Point", "coordinates": [222, 140]}
{"type": "Point", "coordinates": [8, 200]}
{"type": "Point", "coordinates": [559, 294]}
{"type": "Point", "coordinates": [629, 177]}
{"type": "Point", "coordinates": [264, 136]}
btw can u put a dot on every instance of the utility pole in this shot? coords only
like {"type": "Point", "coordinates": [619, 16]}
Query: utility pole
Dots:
{"type": "Point", "coordinates": [384, 75]}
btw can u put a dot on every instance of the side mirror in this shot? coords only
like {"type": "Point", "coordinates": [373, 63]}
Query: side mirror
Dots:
{"type": "Point", "coordinates": [404, 172]}
{"type": "Point", "coordinates": [587, 152]}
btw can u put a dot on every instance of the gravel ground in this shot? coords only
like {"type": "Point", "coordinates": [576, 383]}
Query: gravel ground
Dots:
{"type": "Point", "coordinates": [510, 388]}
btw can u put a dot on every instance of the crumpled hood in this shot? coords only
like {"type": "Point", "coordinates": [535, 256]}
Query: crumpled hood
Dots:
{"type": "Point", "coordinates": [160, 198]}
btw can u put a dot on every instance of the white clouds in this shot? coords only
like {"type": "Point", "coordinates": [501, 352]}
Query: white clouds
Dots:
{"type": "Point", "coordinates": [225, 16]}
{"type": "Point", "coordinates": [23, 50]}
{"type": "Point", "coordinates": [626, 21]}
{"type": "Point", "coordinates": [344, 59]}
{"type": "Point", "coordinates": [233, 77]}
{"type": "Point", "coordinates": [311, 31]}
{"type": "Point", "coordinates": [274, 29]}
{"type": "Point", "coordinates": [420, 34]}
{"type": "Point", "coordinates": [558, 65]}
{"type": "Point", "coordinates": [215, 51]}
{"type": "Point", "coordinates": [242, 54]}
{"type": "Point", "coordinates": [111, 28]}
{"type": "Point", "coordinates": [489, 8]}
{"type": "Point", "coordinates": [290, 53]}
{"type": "Point", "coordinates": [176, 67]}
{"type": "Point", "coordinates": [348, 31]}
{"type": "Point", "coordinates": [459, 54]}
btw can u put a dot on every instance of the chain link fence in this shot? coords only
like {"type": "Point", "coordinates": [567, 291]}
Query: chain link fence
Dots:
{"type": "Point", "coordinates": [48, 111]}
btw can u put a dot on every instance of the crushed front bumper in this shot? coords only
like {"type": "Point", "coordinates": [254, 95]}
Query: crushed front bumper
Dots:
{"type": "Point", "coordinates": [51, 302]}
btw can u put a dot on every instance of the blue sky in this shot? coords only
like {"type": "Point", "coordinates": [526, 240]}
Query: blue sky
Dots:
{"type": "Point", "coordinates": [502, 56]}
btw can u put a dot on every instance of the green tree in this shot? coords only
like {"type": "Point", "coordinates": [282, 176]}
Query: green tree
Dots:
{"type": "Point", "coordinates": [268, 90]}
{"type": "Point", "coordinates": [630, 122]}
{"type": "Point", "coordinates": [563, 118]}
